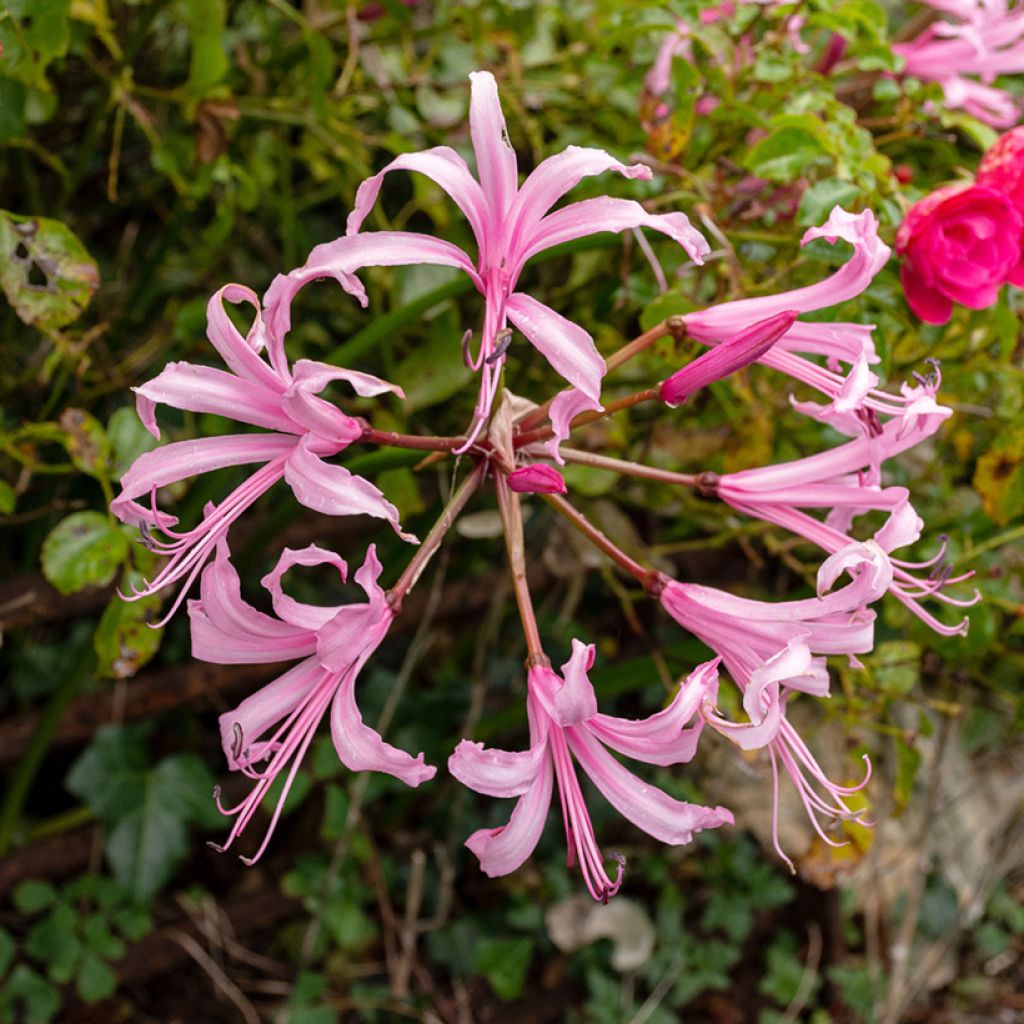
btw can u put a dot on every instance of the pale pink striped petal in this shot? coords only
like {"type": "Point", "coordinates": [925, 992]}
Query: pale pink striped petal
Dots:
{"type": "Point", "coordinates": [297, 613]}
{"type": "Point", "coordinates": [659, 815]}
{"type": "Point", "coordinates": [204, 389]}
{"type": "Point", "coordinates": [445, 168]}
{"type": "Point", "coordinates": [314, 377]}
{"type": "Point", "coordinates": [565, 345]}
{"type": "Point", "coordinates": [574, 700]}
{"type": "Point", "coordinates": [242, 355]}
{"type": "Point", "coordinates": [565, 407]}
{"type": "Point", "coordinates": [361, 748]}
{"type": "Point", "coordinates": [493, 772]}
{"type": "Point", "coordinates": [496, 165]}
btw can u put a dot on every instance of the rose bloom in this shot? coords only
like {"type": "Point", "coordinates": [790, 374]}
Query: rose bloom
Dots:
{"type": "Point", "coordinates": [959, 244]}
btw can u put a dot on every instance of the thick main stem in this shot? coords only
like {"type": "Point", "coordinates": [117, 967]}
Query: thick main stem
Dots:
{"type": "Point", "coordinates": [512, 521]}
{"type": "Point", "coordinates": [417, 441]}
{"type": "Point", "coordinates": [648, 577]}
{"type": "Point", "coordinates": [432, 541]}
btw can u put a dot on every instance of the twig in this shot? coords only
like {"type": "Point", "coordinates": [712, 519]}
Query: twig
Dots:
{"type": "Point", "coordinates": [806, 986]}
{"type": "Point", "coordinates": [217, 976]}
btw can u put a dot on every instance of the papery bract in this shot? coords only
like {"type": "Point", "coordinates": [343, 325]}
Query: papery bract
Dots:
{"type": "Point", "coordinates": [565, 724]}
{"type": "Point", "coordinates": [277, 723]}
{"type": "Point", "coordinates": [511, 224]}
{"type": "Point", "coordinates": [302, 429]}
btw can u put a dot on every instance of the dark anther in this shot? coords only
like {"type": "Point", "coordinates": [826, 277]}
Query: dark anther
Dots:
{"type": "Point", "coordinates": [707, 484]}
{"type": "Point", "coordinates": [467, 358]}
{"type": "Point", "coordinates": [676, 327]}
{"type": "Point", "coordinates": [236, 746]}
{"type": "Point", "coordinates": [502, 341]}
{"type": "Point", "coordinates": [871, 422]}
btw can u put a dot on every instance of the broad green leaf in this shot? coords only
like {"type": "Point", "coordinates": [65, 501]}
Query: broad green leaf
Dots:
{"type": "Point", "coordinates": [186, 786]}
{"type": "Point", "coordinates": [124, 639]}
{"type": "Point", "coordinates": [209, 62]}
{"type": "Point", "coordinates": [34, 895]}
{"type": "Point", "coordinates": [86, 442]}
{"type": "Point", "coordinates": [95, 979]}
{"type": "Point", "coordinates": [83, 550]}
{"type": "Point", "coordinates": [100, 939]}
{"type": "Point", "coordinates": [45, 271]}
{"type": "Point", "coordinates": [435, 371]}
{"type": "Point", "coordinates": [504, 963]}
{"type": "Point", "coordinates": [818, 200]}
{"type": "Point", "coordinates": [110, 775]}
{"type": "Point", "coordinates": [33, 33]}
{"type": "Point", "coordinates": [897, 665]}
{"type": "Point", "coordinates": [53, 942]}
{"type": "Point", "coordinates": [128, 439]}
{"type": "Point", "coordinates": [786, 154]}
{"type": "Point", "coordinates": [145, 847]}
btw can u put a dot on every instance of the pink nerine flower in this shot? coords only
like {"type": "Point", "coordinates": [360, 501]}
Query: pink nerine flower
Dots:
{"type": "Point", "coordinates": [986, 40]}
{"type": "Point", "coordinates": [301, 430]}
{"type": "Point", "coordinates": [277, 723]}
{"type": "Point", "coordinates": [959, 244]}
{"type": "Point", "coordinates": [565, 723]}
{"type": "Point", "coordinates": [511, 224]}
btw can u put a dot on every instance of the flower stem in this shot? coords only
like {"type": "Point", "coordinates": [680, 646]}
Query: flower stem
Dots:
{"type": "Point", "coordinates": [425, 442]}
{"type": "Point", "coordinates": [626, 402]}
{"type": "Point", "coordinates": [512, 521]}
{"type": "Point", "coordinates": [572, 515]}
{"type": "Point", "coordinates": [623, 466]}
{"type": "Point", "coordinates": [432, 541]}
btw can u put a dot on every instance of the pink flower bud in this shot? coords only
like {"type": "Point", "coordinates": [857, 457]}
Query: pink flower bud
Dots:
{"type": "Point", "coordinates": [537, 479]}
{"type": "Point", "coordinates": [726, 358]}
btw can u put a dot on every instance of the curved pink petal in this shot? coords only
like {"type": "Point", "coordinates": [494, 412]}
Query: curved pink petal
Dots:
{"type": "Point", "coordinates": [659, 815]}
{"type": "Point", "coordinates": [565, 345]}
{"type": "Point", "coordinates": [550, 180]}
{"type": "Point", "coordinates": [446, 169]}
{"type": "Point", "coordinates": [333, 490]}
{"type": "Point", "coordinates": [242, 355]}
{"type": "Point", "coordinates": [565, 407]}
{"type": "Point", "coordinates": [314, 377]}
{"type": "Point", "coordinates": [204, 389]}
{"type": "Point", "coordinates": [592, 216]}
{"type": "Point", "coordinates": [503, 850]}
{"type": "Point", "coordinates": [573, 698]}
{"type": "Point", "coordinates": [903, 527]}
{"type": "Point", "coordinates": [304, 616]}
{"type": "Point", "coordinates": [537, 478]}
{"type": "Point", "coordinates": [183, 459]}
{"type": "Point", "coordinates": [341, 259]}
{"type": "Point", "coordinates": [241, 728]}
{"type": "Point", "coordinates": [496, 165]}
{"type": "Point", "coordinates": [362, 748]}
{"type": "Point", "coordinates": [493, 772]}
{"type": "Point", "coordinates": [837, 340]}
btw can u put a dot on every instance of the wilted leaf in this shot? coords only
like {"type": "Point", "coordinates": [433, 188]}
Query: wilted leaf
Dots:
{"type": "Point", "coordinates": [999, 477]}
{"type": "Point", "coordinates": [86, 442]}
{"type": "Point", "coordinates": [83, 550]}
{"type": "Point", "coordinates": [124, 639]}
{"type": "Point", "coordinates": [45, 271]}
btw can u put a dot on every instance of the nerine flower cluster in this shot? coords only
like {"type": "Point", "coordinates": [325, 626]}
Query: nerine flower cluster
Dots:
{"type": "Point", "coordinates": [766, 651]}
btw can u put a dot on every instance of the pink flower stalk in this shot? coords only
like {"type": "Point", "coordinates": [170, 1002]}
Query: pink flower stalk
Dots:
{"type": "Point", "coordinates": [839, 342]}
{"type": "Point", "coordinates": [301, 429]}
{"type": "Point", "coordinates": [511, 224]}
{"type": "Point", "coordinates": [565, 723]}
{"type": "Point", "coordinates": [537, 478]}
{"type": "Point", "coordinates": [986, 40]}
{"type": "Point", "coordinates": [726, 359]}
{"type": "Point", "coordinates": [771, 650]}
{"type": "Point", "coordinates": [277, 723]}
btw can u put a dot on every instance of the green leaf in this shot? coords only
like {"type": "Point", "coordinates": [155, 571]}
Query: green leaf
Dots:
{"type": "Point", "coordinates": [95, 979]}
{"type": "Point", "coordinates": [128, 439]}
{"type": "Point", "coordinates": [7, 498]}
{"type": "Point", "coordinates": [897, 665]}
{"type": "Point", "coordinates": [53, 942]}
{"type": "Point", "coordinates": [785, 154]}
{"type": "Point", "coordinates": [12, 109]}
{"type": "Point", "coordinates": [100, 939]}
{"type": "Point", "coordinates": [505, 963]}
{"type": "Point", "coordinates": [132, 922]}
{"type": "Point", "coordinates": [110, 775]}
{"type": "Point", "coordinates": [83, 550]}
{"type": "Point", "coordinates": [33, 33]}
{"type": "Point", "coordinates": [7, 948]}
{"type": "Point", "coordinates": [34, 895]}
{"type": "Point", "coordinates": [145, 847]}
{"type": "Point", "coordinates": [209, 63]}
{"type": "Point", "coordinates": [38, 999]}
{"type": "Point", "coordinates": [433, 371]}
{"type": "Point", "coordinates": [124, 639]}
{"type": "Point", "coordinates": [818, 200]}
{"type": "Point", "coordinates": [186, 787]}
{"type": "Point", "coordinates": [86, 442]}
{"type": "Point", "coordinates": [45, 271]}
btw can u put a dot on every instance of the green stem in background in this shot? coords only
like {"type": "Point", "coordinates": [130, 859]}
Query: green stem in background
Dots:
{"type": "Point", "coordinates": [578, 521]}
{"type": "Point", "coordinates": [432, 541]}
{"type": "Point", "coordinates": [993, 543]}
{"type": "Point", "coordinates": [29, 765]}
{"type": "Point", "coordinates": [512, 523]}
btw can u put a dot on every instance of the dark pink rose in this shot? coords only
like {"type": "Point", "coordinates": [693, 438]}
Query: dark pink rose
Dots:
{"type": "Point", "coordinates": [959, 244]}
{"type": "Point", "coordinates": [1002, 167]}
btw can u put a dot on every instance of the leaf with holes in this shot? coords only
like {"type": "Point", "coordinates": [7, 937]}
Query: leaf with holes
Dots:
{"type": "Point", "coordinates": [124, 639]}
{"type": "Point", "coordinates": [86, 442]}
{"type": "Point", "coordinates": [999, 477]}
{"type": "Point", "coordinates": [45, 271]}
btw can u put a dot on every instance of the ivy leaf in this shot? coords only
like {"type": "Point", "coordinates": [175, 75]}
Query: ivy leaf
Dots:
{"type": "Point", "coordinates": [110, 774]}
{"type": "Point", "coordinates": [45, 271]}
{"type": "Point", "coordinates": [146, 846]}
{"type": "Point", "coordinates": [83, 550]}
{"type": "Point", "coordinates": [504, 963]}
